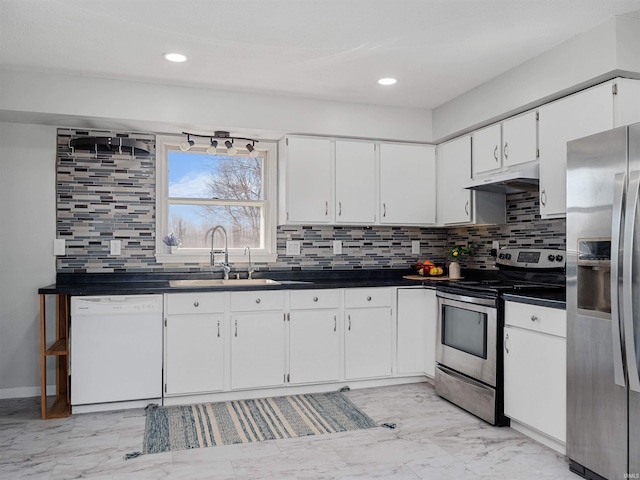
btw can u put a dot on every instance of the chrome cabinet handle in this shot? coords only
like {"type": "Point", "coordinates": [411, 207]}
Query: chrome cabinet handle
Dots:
{"type": "Point", "coordinates": [349, 317]}
{"type": "Point", "coordinates": [315, 299]}
{"type": "Point", "coordinates": [495, 153]}
{"type": "Point", "coordinates": [196, 304]}
{"type": "Point", "coordinates": [384, 209]}
{"type": "Point", "coordinates": [543, 197]}
{"type": "Point", "coordinates": [534, 318]}
{"type": "Point", "coordinates": [368, 299]}
{"type": "Point", "coordinates": [339, 208]}
{"type": "Point", "coordinates": [466, 208]}
{"type": "Point", "coordinates": [218, 328]}
{"type": "Point", "coordinates": [236, 334]}
{"type": "Point", "coordinates": [335, 323]}
{"type": "Point", "coordinates": [506, 343]}
{"type": "Point", "coordinates": [619, 193]}
{"type": "Point", "coordinates": [257, 300]}
{"type": "Point", "coordinates": [326, 208]}
{"type": "Point", "coordinates": [506, 150]}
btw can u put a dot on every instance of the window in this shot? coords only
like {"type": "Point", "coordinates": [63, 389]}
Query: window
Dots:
{"type": "Point", "coordinates": [197, 191]}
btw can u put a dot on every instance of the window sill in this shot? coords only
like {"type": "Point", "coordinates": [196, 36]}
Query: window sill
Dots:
{"type": "Point", "coordinates": [184, 256]}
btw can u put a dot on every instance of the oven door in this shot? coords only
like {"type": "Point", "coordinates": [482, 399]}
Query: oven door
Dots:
{"type": "Point", "coordinates": [467, 336]}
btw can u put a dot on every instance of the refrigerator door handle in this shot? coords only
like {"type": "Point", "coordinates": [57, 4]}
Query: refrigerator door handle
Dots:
{"type": "Point", "coordinates": [627, 280]}
{"type": "Point", "coordinates": [616, 231]}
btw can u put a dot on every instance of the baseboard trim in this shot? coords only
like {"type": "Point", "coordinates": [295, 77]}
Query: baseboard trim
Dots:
{"type": "Point", "coordinates": [24, 392]}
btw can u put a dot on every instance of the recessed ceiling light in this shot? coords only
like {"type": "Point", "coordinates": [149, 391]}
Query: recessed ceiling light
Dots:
{"type": "Point", "coordinates": [387, 81]}
{"type": "Point", "coordinates": [175, 57]}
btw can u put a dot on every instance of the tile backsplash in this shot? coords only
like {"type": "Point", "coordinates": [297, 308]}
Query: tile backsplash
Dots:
{"type": "Point", "coordinates": [105, 195]}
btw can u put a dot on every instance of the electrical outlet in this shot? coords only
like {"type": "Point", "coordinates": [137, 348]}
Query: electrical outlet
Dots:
{"type": "Point", "coordinates": [59, 245]}
{"type": "Point", "coordinates": [293, 247]}
{"type": "Point", "coordinates": [415, 247]}
{"type": "Point", "coordinates": [115, 247]}
{"type": "Point", "coordinates": [495, 244]}
{"type": "Point", "coordinates": [337, 247]}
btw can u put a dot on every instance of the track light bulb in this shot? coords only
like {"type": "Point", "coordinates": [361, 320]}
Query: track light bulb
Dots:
{"type": "Point", "coordinates": [213, 149]}
{"type": "Point", "coordinates": [230, 148]}
{"type": "Point", "coordinates": [185, 146]}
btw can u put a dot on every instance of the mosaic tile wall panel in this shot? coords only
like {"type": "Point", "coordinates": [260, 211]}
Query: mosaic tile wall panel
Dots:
{"type": "Point", "coordinates": [524, 228]}
{"type": "Point", "coordinates": [112, 195]}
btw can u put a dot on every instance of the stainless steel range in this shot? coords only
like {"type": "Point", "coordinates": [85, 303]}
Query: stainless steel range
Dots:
{"type": "Point", "coordinates": [470, 323]}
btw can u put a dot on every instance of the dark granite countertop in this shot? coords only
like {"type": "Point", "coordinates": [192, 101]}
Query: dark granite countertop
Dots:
{"type": "Point", "coordinates": [149, 283]}
{"type": "Point", "coordinates": [543, 298]}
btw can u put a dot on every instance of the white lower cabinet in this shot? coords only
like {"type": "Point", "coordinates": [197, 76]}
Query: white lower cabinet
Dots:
{"type": "Point", "coordinates": [257, 339]}
{"type": "Point", "coordinates": [416, 327]}
{"type": "Point", "coordinates": [535, 371]}
{"type": "Point", "coordinates": [368, 333]}
{"type": "Point", "coordinates": [194, 343]}
{"type": "Point", "coordinates": [314, 337]}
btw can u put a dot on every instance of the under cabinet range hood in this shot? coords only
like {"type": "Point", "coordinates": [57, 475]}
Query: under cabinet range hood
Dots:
{"type": "Point", "coordinates": [519, 178]}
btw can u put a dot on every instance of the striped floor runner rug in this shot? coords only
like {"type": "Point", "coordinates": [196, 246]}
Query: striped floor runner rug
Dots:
{"type": "Point", "coordinates": [225, 423]}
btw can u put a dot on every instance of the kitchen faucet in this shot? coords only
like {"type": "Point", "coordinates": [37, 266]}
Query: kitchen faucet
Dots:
{"type": "Point", "coordinates": [250, 270]}
{"type": "Point", "coordinates": [225, 265]}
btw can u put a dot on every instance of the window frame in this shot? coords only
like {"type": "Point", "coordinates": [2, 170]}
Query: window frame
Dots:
{"type": "Point", "coordinates": [268, 254]}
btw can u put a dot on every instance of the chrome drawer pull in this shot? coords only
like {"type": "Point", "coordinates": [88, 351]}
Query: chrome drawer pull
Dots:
{"type": "Point", "coordinates": [368, 299]}
{"type": "Point", "coordinates": [315, 299]}
{"type": "Point", "coordinates": [257, 300]}
{"type": "Point", "coordinates": [534, 318]}
{"type": "Point", "coordinates": [196, 304]}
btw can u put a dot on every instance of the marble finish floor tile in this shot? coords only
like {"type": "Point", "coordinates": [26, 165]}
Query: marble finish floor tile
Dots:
{"type": "Point", "coordinates": [433, 439]}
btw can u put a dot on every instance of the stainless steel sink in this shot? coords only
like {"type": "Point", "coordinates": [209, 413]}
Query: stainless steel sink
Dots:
{"type": "Point", "coordinates": [218, 282]}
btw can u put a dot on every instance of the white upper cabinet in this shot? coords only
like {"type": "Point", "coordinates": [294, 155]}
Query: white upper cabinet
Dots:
{"type": "Point", "coordinates": [407, 184]}
{"type": "Point", "coordinates": [505, 144]}
{"type": "Point", "coordinates": [306, 180]}
{"type": "Point", "coordinates": [627, 102]}
{"type": "Point", "coordinates": [355, 182]}
{"type": "Point", "coordinates": [454, 170]}
{"type": "Point", "coordinates": [576, 116]}
{"type": "Point", "coordinates": [487, 149]}
{"type": "Point", "coordinates": [520, 139]}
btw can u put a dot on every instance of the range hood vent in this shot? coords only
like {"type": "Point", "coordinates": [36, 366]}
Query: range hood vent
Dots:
{"type": "Point", "coordinates": [520, 178]}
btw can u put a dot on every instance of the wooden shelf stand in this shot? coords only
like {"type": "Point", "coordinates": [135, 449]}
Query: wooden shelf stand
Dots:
{"type": "Point", "coordinates": [61, 406]}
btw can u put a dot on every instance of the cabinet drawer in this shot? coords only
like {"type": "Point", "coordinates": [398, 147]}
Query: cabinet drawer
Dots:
{"type": "Point", "coordinates": [312, 299]}
{"type": "Point", "coordinates": [206, 302]}
{"type": "Point", "coordinates": [536, 318]}
{"type": "Point", "coordinates": [367, 297]}
{"type": "Point", "coordinates": [256, 301]}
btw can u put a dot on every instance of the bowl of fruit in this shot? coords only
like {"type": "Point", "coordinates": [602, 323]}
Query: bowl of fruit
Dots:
{"type": "Point", "coordinates": [428, 269]}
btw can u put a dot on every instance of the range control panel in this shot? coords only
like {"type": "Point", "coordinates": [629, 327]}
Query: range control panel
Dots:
{"type": "Point", "coordinates": [531, 258]}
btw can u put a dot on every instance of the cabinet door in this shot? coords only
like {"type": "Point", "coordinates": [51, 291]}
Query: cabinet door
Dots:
{"type": "Point", "coordinates": [535, 389]}
{"type": "Point", "coordinates": [520, 139]}
{"type": "Point", "coordinates": [194, 353]}
{"type": "Point", "coordinates": [314, 354]}
{"type": "Point", "coordinates": [487, 149]}
{"type": "Point", "coordinates": [257, 350]}
{"type": "Point", "coordinates": [416, 347]}
{"type": "Point", "coordinates": [627, 102]}
{"type": "Point", "coordinates": [308, 180]}
{"type": "Point", "coordinates": [368, 336]}
{"type": "Point", "coordinates": [407, 184]}
{"type": "Point", "coordinates": [355, 182]}
{"type": "Point", "coordinates": [454, 170]}
{"type": "Point", "coordinates": [576, 116]}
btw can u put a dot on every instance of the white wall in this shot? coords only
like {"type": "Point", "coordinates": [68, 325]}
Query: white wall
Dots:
{"type": "Point", "coordinates": [27, 230]}
{"type": "Point", "coordinates": [593, 56]}
{"type": "Point", "coordinates": [84, 102]}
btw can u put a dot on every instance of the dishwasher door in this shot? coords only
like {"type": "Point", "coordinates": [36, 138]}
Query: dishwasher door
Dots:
{"type": "Point", "coordinates": [116, 349]}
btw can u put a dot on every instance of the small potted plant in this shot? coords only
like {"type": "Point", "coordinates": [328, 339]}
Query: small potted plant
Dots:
{"type": "Point", "coordinates": [455, 254]}
{"type": "Point", "coordinates": [172, 241]}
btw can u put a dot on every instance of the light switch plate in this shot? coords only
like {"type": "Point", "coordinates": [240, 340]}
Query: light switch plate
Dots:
{"type": "Point", "coordinates": [59, 246]}
{"type": "Point", "coordinates": [115, 247]}
{"type": "Point", "coordinates": [415, 247]}
{"type": "Point", "coordinates": [293, 247]}
{"type": "Point", "coordinates": [337, 247]}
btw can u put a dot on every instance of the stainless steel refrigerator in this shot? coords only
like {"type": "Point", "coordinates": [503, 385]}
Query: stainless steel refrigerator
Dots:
{"type": "Point", "coordinates": [603, 304]}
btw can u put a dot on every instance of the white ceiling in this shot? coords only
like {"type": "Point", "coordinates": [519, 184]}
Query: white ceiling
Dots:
{"type": "Point", "coordinates": [326, 49]}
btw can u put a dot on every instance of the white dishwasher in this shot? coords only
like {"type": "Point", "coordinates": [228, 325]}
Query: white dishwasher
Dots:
{"type": "Point", "coordinates": [116, 352]}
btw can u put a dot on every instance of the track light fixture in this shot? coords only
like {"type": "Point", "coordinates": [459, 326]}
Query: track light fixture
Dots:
{"type": "Point", "coordinates": [185, 146]}
{"type": "Point", "coordinates": [221, 135]}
